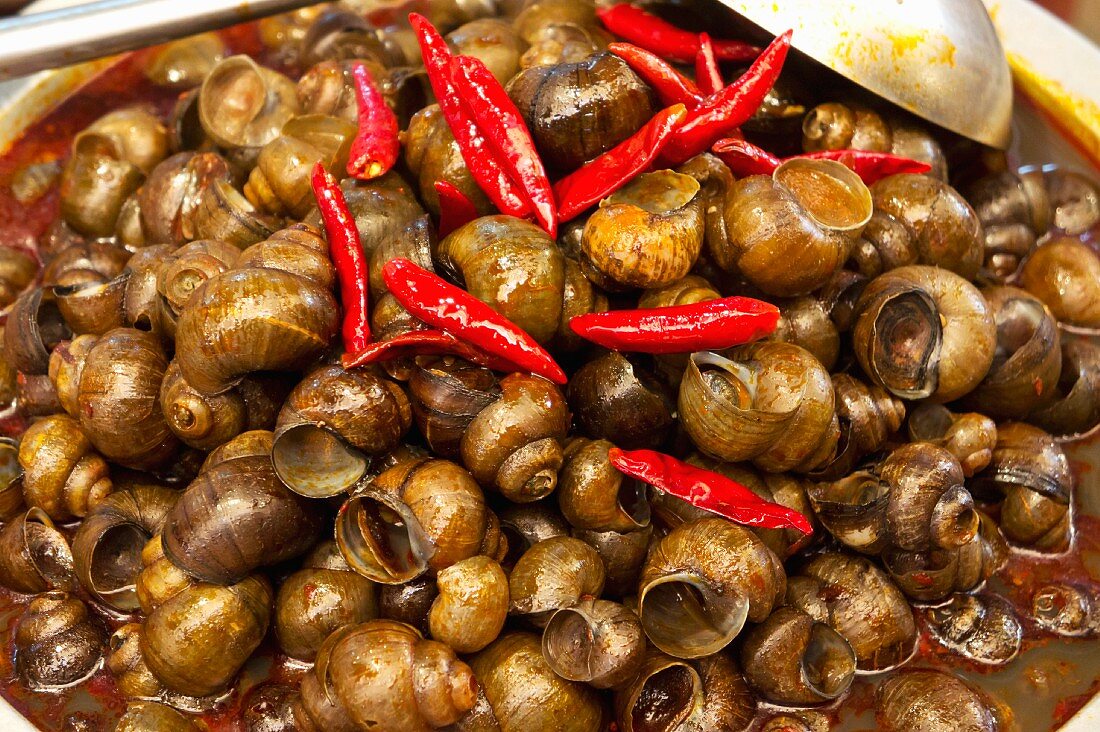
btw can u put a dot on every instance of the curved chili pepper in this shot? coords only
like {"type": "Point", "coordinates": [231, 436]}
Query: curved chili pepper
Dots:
{"type": "Point", "coordinates": [442, 305]}
{"type": "Point", "coordinates": [348, 257]}
{"type": "Point", "coordinates": [376, 146]}
{"type": "Point", "coordinates": [663, 38]}
{"type": "Point", "coordinates": [609, 172]}
{"type": "Point", "coordinates": [424, 343]}
{"type": "Point", "coordinates": [711, 325]}
{"type": "Point", "coordinates": [498, 118]}
{"type": "Point", "coordinates": [455, 209]}
{"type": "Point", "coordinates": [730, 108]}
{"type": "Point", "coordinates": [707, 74]}
{"type": "Point", "coordinates": [483, 164]}
{"type": "Point", "coordinates": [671, 86]}
{"type": "Point", "coordinates": [744, 158]}
{"type": "Point", "coordinates": [706, 489]}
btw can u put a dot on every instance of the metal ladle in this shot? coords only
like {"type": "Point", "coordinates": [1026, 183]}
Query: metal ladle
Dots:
{"type": "Point", "coordinates": [939, 59]}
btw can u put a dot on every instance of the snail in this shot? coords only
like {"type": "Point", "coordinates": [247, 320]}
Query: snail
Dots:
{"type": "Point", "coordinates": [236, 517]}
{"type": "Point", "coordinates": [934, 701]}
{"type": "Point", "coordinates": [118, 406]}
{"type": "Point", "coordinates": [858, 600]}
{"type": "Point", "coordinates": [593, 495]}
{"type": "Point", "coordinates": [708, 693]}
{"type": "Point", "coordinates": [521, 691]}
{"type": "Point", "coordinates": [196, 641]}
{"type": "Point", "coordinates": [622, 555]}
{"type": "Point", "coordinates": [330, 426]}
{"type": "Point", "coordinates": [62, 474]}
{"type": "Point", "coordinates": [472, 605]}
{"type": "Point", "coordinates": [617, 398]}
{"type": "Point", "coordinates": [57, 642]}
{"type": "Point", "coordinates": [186, 62]}
{"type": "Point", "coordinates": [243, 105]}
{"type": "Point", "coordinates": [647, 234]}
{"type": "Point", "coordinates": [840, 126]}
{"type": "Point", "coordinates": [1075, 404]}
{"type": "Point", "coordinates": [127, 664]}
{"type": "Point", "coordinates": [598, 642]}
{"type": "Point", "coordinates": [924, 332]}
{"type": "Point", "coordinates": [970, 437]}
{"type": "Point", "coordinates": [320, 598]}
{"type": "Point", "coordinates": [737, 408]}
{"type": "Point", "coordinates": [788, 233]}
{"type": "Point", "coordinates": [419, 514]}
{"type": "Point", "coordinates": [701, 582]}
{"type": "Point", "coordinates": [383, 676]}
{"type": "Point", "coordinates": [1063, 273]}
{"type": "Point", "coordinates": [33, 328]}
{"type": "Point", "coordinates": [34, 555]}
{"type": "Point", "coordinates": [983, 628]}
{"type": "Point", "coordinates": [552, 574]}
{"type": "Point", "coordinates": [578, 110]}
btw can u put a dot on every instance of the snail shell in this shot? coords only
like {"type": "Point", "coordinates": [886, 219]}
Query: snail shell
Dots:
{"type": "Point", "coordinates": [1066, 610]}
{"type": "Point", "coordinates": [1065, 274]}
{"type": "Point", "coordinates": [970, 437]}
{"type": "Point", "coordinates": [932, 701]}
{"type": "Point", "coordinates": [472, 605]}
{"type": "Point", "coordinates": [616, 398]}
{"type": "Point", "coordinates": [57, 643]}
{"type": "Point", "coordinates": [128, 667]}
{"type": "Point", "coordinates": [860, 602]}
{"type": "Point", "coordinates": [668, 693]}
{"type": "Point", "coordinates": [792, 659]}
{"type": "Point", "coordinates": [1075, 405]}
{"type": "Point", "coordinates": [593, 495]}
{"type": "Point", "coordinates": [149, 716]}
{"type": "Point", "coordinates": [35, 556]}
{"type": "Point", "coordinates": [924, 332]}
{"type": "Point", "coordinates": [418, 514]}
{"type": "Point", "coordinates": [789, 232]}
{"type": "Point", "coordinates": [236, 517]}
{"type": "Point", "coordinates": [62, 474]}
{"type": "Point", "coordinates": [108, 545]}
{"type": "Point", "coordinates": [553, 574]}
{"type": "Point", "coordinates": [701, 582]}
{"type": "Point", "coordinates": [522, 692]}
{"type": "Point", "coordinates": [598, 642]}
{"type": "Point", "coordinates": [33, 328]}
{"type": "Point", "coordinates": [983, 628]}
{"type": "Point", "coordinates": [447, 395]}
{"type": "Point", "coordinates": [770, 402]}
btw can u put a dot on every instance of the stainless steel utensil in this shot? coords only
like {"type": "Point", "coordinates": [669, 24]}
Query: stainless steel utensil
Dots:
{"type": "Point", "coordinates": [939, 59]}
{"type": "Point", "coordinates": [56, 38]}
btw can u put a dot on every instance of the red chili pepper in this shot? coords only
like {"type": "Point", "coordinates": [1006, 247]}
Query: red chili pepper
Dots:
{"type": "Point", "coordinates": [455, 209]}
{"type": "Point", "coordinates": [744, 158]}
{"type": "Point", "coordinates": [711, 325]}
{"type": "Point", "coordinates": [442, 305]}
{"type": "Point", "coordinates": [424, 343]}
{"type": "Point", "coordinates": [348, 257]}
{"type": "Point", "coordinates": [498, 118]}
{"type": "Point", "coordinates": [706, 489]}
{"type": "Point", "coordinates": [486, 170]}
{"type": "Point", "coordinates": [376, 146]}
{"type": "Point", "coordinates": [601, 177]}
{"type": "Point", "coordinates": [730, 108]}
{"type": "Point", "coordinates": [665, 39]}
{"type": "Point", "coordinates": [707, 74]}
{"type": "Point", "coordinates": [671, 86]}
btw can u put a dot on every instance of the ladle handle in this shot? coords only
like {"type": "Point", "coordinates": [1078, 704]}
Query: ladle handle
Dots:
{"type": "Point", "coordinates": [56, 38]}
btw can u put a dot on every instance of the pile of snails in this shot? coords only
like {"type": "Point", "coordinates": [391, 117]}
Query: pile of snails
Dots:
{"type": "Point", "coordinates": [441, 546]}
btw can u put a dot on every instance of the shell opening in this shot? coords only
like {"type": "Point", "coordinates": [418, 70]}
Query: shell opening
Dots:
{"type": "Point", "coordinates": [954, 519]}
{"type": "Point", "coordinates": [831, 193]}
{"type": "Point", "coordinates": [828, 662]}
{"type": "Point", "coordinates": [48, 549]}
{"type": "Point", "coordinates": [316, 463]}
{"type": "Point", "coordinates": [632, 501]}
{"type": "Point", "coordinates": [116, 564]}
{"type": "Point", "coordinates": [685, 618]}
{"type": "Point", "coordinates": [569, 645]}
{"type": "Point", "coordinates": [905, 351]}
{"type": "Point", "coordinates": [665, 700]}
{"type": "Point", "coordinates": [379, 542]}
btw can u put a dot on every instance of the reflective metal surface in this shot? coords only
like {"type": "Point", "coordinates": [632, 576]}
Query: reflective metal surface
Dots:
{"type": "Point", "coordinates": [55, 38]}
{"type": "Point", "coordinates": [939, 59]}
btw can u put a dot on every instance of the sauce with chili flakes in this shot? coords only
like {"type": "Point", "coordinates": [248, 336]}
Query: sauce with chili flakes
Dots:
{"type": "Point", "coordinates": [1044, 686]}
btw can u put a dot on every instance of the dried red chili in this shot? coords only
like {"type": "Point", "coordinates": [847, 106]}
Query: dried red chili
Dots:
{"type": "Point", "coordinates": [730, 108]}
{"type": "Point", "coordinates": [707, 74]}
{"type": "Point", "coordinates": [711, 325]}
{"type": "Point", "coordinates": [348, 257]}
{"type": "Point", "coordinates": [706, 489]}
{"type": "Point", "coordinates": [455, 209]}
{"type": "Point", "coordinates": [424, 343]}
{"type": "Point", "coordinates": [744, 158]}
{"type": "Point", "coordinates": [671, 86]}
{"type": "Point", "coordinates": [615, 168]}
{"type": "Point", "coordinates": [498, 118]}
{"type": "Point", "coordinates": [663, 38]}
{"type": "Point", "coordinates": [376, 146]}
{"type": "Point", "coordinates": [442, 305]}
{"type": "Point", "coordinates": [486, 170]}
